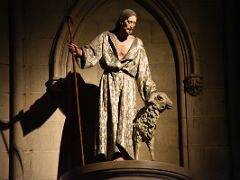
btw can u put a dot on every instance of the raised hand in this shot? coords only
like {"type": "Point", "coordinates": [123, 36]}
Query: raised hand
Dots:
{"type": "Point", "coordinates": [75, 50]}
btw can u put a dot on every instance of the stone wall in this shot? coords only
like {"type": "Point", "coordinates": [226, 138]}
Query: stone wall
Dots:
{"type": "Point", "coordinates": [207, 130]}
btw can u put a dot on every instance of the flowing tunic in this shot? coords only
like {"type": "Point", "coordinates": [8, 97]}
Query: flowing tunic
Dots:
{"type": "Point", "coordinates": [118, 86]}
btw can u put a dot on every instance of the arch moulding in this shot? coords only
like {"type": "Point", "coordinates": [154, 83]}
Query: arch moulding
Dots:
{"type": "Point", "coordinates": [184, 51]}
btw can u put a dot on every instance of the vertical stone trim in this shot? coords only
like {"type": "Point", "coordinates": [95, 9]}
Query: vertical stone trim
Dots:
{"type": "Point", "coordinates": [16, 88]}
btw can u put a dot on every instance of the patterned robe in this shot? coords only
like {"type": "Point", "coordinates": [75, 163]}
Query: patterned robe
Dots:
{"type": "Point", "coordinates": [118, 86]}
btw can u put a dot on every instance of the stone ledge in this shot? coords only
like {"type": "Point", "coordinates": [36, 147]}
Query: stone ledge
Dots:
{"type": "Point", "coordinates": [129, 170]}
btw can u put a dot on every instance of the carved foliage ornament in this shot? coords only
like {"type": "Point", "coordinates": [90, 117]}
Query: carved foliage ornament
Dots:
{"type": "Point", "coordinates": [193, 84]}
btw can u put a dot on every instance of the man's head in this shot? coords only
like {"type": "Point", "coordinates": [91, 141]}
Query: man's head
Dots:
{"type": "Point", "coordinates": [127, 20]}
{"type": "Point", "coordinates": [126, 13]}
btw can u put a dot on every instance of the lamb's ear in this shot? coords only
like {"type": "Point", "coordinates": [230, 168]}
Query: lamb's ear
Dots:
{"type": "Point", "coordinates": [153, 97]}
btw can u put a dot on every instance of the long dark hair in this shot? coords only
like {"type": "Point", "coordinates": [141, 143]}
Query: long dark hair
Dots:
{"type": "Point", "coordinates": [125, 14]}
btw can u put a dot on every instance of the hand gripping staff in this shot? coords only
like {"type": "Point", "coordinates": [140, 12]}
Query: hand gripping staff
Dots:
{"type": "Point", "coordinates": [70, 22]}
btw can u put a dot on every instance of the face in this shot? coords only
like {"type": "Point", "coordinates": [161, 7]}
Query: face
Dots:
{"type": "Point", "coordinates": [129, 24]}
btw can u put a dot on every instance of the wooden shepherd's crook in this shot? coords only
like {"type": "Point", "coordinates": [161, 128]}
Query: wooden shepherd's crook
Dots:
{"type": "Point", "coordinates": [69, 21]}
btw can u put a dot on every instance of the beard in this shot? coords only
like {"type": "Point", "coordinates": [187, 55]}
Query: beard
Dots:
{"type": "Point", "coordinates": [129, 31]}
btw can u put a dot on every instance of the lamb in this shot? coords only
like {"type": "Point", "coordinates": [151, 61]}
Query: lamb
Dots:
{"type": "Point", "coordinates": [144, 124]}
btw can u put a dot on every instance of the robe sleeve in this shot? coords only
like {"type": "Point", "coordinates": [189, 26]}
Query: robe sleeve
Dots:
{"type": "Point", "coordinates": [92, 52]}
{"type": "Point", "coordinates": [146, 85]}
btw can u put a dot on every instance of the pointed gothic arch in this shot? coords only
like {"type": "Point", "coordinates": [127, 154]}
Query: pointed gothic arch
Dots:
{"type": "Point", "coordinates": [183, 46]}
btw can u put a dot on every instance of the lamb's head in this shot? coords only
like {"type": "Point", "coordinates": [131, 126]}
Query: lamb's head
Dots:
{"type": "Point", "coordinates": [161, 100]}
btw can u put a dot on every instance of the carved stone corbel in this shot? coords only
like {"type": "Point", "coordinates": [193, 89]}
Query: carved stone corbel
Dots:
{"type": "Point", "coordinates": [193, 84]}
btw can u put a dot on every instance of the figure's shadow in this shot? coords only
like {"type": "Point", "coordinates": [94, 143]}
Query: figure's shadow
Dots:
{"type": "Point", "coordinates": [61, 94]}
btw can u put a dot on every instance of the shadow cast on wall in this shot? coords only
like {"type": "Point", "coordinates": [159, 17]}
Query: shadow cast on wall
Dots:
{"type": "Point", "coordinates": [61, 95]}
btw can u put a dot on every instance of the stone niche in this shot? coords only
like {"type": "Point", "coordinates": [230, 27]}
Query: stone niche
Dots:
{"type": "Point", "coordinates": [178, 56]}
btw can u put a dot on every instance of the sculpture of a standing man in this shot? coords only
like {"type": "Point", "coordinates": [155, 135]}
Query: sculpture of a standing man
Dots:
{"type": "Point", "coordinates": [126, 69]}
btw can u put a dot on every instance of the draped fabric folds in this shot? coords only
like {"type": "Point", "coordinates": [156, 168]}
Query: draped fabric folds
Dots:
{"type": "Point", "coordinates": [118, 87]}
